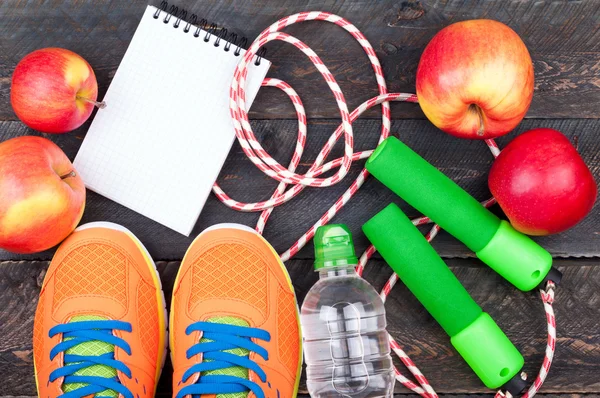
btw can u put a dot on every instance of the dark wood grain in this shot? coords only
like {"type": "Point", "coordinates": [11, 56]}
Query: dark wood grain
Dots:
{"type": "Point", "coordinates": [562, 36]}
{"type": "Point", "coordinates": [520, 315]}
{"type": "Point", "coordinates": [467, 162]}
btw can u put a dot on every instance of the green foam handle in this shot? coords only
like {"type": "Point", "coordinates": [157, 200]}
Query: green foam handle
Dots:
{"type": "Point", "coordinates": [513, 255]}
{"type": "Point", "coordinates": [428, 190]}
{"type": "Point", "coordinates": [421, 269]}
{"type": "Point", "coordinates": [473, 333]}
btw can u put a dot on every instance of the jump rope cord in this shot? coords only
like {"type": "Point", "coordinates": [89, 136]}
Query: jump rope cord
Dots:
{"type": "Point", "coordinates": [288, 176]}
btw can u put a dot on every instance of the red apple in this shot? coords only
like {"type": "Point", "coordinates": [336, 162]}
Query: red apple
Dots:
{"type": "Point", "coordinates": [541, 183]}
{"type": "Point", "coordinates": [53, 90]}
{"type": "Point", "coordinates": [42, 197]}
{"type": "Point", "coordinates": [475, 79]}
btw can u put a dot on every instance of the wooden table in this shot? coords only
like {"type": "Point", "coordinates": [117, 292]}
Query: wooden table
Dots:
{"type": "Point", "coordinates": [564, 40]}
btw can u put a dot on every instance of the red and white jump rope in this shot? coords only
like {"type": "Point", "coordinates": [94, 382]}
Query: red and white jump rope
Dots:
{"type": "Point", "coordinates": [297, 182]}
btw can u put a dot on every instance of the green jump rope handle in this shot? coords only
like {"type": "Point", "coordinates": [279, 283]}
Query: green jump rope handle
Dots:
{"type": "Point", "coordinates": [472, 332]}
{"type": "Point", "coordinates": [511, 254]}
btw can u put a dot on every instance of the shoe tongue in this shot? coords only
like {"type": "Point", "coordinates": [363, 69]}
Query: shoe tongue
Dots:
{"type": "Point", "coordinates": [236, 371]}
{"type": "Point", "coordinates": [91, 348]}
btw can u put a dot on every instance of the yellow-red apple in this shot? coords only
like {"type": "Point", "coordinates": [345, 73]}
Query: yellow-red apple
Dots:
{"type": "Point", "coordinates": [53, 90]}
{"type": "Point", "coordinates": [542, 183]}
{"type": "Point", "coordinates": [475, 79]}
{"type": "Point", "coordinates": [42, 197]}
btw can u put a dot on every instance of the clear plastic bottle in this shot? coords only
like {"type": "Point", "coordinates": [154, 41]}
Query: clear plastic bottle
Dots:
{"type": "Point", "coordinates": [346, 348]}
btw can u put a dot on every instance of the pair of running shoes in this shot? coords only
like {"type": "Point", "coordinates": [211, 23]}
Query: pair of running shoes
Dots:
{"type": "Point", "coordinates": [101, 323]}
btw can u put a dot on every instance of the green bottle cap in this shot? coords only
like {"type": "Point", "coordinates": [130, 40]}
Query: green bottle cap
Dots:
{"type": "Point", "coordinates": [334, 247]}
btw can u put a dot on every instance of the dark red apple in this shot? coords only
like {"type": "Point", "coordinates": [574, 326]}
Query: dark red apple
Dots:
{"type": "Point", "coordinates": [542, 183]}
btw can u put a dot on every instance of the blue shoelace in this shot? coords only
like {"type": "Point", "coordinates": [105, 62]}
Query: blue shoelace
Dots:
{"type": "Point", "coordinates": [76, 333]}
{"type": "Point", "coordinates": [224, 337]}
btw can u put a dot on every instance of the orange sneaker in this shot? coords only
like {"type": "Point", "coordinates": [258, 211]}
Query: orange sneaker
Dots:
{"type": "Point", "coordinates": [100, 326]}
{"type": "Point", "coordinates": [235, 329]}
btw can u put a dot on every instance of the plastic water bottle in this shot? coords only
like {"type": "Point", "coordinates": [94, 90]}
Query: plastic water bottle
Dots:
{"type": "Point", "coordinates": [346, 348]}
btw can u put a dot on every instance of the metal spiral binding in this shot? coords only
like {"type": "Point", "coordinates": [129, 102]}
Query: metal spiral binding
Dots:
{"type": "Point", "coordinates": [211, 29]}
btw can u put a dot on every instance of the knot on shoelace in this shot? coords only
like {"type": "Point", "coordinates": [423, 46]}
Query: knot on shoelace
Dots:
{"type": "Point", "coordinates": [82, 332]}
{"type": "Point", "coordinates": [223, 337]}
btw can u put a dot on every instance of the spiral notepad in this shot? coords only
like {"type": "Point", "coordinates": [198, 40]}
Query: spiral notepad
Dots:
{"type": "Point", "coordinates": [160, 143]}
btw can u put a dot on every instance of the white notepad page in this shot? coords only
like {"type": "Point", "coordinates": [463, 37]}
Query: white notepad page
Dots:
{"type": "Point", "coordinates": [162, 139]}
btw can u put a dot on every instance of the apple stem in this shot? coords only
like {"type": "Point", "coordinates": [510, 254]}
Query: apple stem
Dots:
{"type": "Point", "coordinates": [71, 173]}
{"type": "Point", "coordinates": [100, 105]}
{"type": "Point", "coordinates": [479, 112]}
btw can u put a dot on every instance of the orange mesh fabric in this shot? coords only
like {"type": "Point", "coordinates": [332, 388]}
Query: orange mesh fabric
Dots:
{"type": "Point", "coordinates": [287, 330]}
{"type": "Point", "coordinates": [213, 276]}
{"type": "Point", "coordinates": [38, 332]}
{"type": "Point", "coordinates": [73, 277]}
{"type": "Point", "coordinates": [147, 313]}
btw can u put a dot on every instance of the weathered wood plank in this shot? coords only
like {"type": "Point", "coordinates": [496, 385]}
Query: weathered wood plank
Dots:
{"type": "Point", "coordinates": [563, 38]}
{"type": "Point", "coordinates": [520, 315]}
{"type": "Point", "coordinates": [467, 162]}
